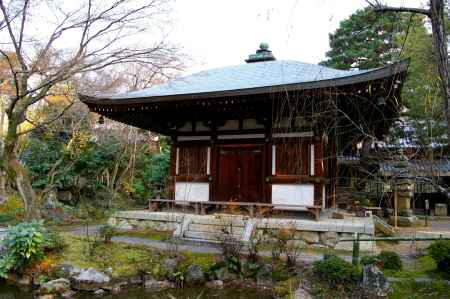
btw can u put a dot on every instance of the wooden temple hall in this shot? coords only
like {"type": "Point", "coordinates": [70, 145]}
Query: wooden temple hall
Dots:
{"type": "Point", "coordinates": [263, 133]}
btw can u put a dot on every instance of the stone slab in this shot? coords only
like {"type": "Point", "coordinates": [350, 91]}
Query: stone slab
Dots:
{"type": "Point", "coordinates": [147, 215]}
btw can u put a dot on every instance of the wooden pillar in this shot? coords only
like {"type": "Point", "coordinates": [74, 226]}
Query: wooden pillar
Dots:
{"type": "Point", "coordinates": [333, 169]}
{"type": "Point", "coordinates": [172, 179]}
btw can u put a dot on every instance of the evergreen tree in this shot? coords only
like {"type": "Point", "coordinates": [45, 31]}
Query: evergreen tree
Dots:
{"type": "Point", "coordinates": [365, 40]}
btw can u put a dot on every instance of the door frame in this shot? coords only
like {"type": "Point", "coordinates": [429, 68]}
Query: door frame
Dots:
{"type": "Point", "coordinates": [266, 166]}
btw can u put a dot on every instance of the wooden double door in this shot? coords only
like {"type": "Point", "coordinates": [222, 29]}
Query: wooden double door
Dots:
{"type": "Point", "coordinates": [240, 173]}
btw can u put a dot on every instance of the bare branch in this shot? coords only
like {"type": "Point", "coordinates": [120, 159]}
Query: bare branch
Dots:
{"type": "Point", "coordinates": [43, 124]}
{"type": "Point", "coordinates": [379, 7]}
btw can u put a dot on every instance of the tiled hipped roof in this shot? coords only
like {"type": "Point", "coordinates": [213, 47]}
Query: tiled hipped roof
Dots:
{"type": "Point", "coordinates": [244, 76]}
{"type": "Point", "coordinates": [419, 167]}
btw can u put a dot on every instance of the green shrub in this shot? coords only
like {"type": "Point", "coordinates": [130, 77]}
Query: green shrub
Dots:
{"type": "Point", "coordinates": [24, 244]}
{"type": "Point", "coordinates": [107, 232]}
{"type": "Point", "coordinates": [54, 241]}
{"type": "Point", "coordinates": [391, 260]}
{"type": "Point", "coordinates": [369, 259]}
{"type": "Point", "coordinates": [336, 272]}
{"type": "Point", "coordinates": [440, 252]}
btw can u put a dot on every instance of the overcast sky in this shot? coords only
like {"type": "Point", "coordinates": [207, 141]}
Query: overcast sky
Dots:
{"type": "Point", "coordinates": [217, 33]}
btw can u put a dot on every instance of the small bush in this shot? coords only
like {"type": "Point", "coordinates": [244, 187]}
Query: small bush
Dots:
{"type": "Point", "coordinates": [390, 260]}
{"type": "Point", "coordinates": [107, 232]}
{"type": "Point", "coordinates": [440, 252]}
{"type": "Point", "coordinates": [12, 211]}
{"type": "Point", "coordinates": [24, 244]}
{"type": "Point", "coordinates": [54, 241]}
{"type": "Point", "coordinates": [336, 272]}
{"type": "Point", "coordinates": [369, 259]}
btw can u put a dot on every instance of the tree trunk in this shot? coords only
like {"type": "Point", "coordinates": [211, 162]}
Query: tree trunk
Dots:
{"type": "Point", "coordinates": [437, 16]}
{"type": "Point", "coordinates": [17, 173]}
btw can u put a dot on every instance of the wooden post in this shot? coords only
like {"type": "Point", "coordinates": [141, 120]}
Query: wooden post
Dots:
{"type": "Point", "coordinates": [395, 209]}
{"type": "Point", "coordinates": [355, 253]}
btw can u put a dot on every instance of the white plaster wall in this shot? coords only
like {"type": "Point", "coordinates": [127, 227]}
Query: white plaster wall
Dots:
{"type": "Point", "coordinates": [191, 191]}
{"type": "Point", "coordinates": [293, 194]}
{"type": "Point", "coordinates": [232, 124]}
{"type": "Point", "coordinates": [252, 124]}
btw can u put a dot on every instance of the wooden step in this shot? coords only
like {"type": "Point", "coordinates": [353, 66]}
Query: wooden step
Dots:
{"type": "Point", "coordinates": [214, 228]}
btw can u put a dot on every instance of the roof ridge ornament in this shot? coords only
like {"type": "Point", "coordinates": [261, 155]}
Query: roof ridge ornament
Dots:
{"type": "Point", "coordinates": [262, 54]}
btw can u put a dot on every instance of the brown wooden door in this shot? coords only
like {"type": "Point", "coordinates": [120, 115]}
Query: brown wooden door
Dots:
{"type": "Point", "coordinates": [240, 174]}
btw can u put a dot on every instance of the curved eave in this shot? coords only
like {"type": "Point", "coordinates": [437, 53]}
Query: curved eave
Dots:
{"type": "Point", "coordinates": [380, 73]}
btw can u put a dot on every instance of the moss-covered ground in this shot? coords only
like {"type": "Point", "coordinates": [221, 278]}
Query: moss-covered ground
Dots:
{"type": "Point", "coordinates": [124, 259]}
{"type": "Point", "coordinates": [146, 234]}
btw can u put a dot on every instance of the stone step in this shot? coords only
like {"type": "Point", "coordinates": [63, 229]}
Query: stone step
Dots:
{"type": "Point", "coordinates": [206, 236]}
{"type": "Point", "coordinates": [219, 222]}
{"type": "Point", "coordinates": [214, 228]}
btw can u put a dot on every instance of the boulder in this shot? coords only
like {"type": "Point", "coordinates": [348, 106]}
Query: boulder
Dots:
{"type": "Point", "coordinates": [158, 285]}
{"type": "Point", "coordinates": [66, 270]}
{"type": "Point", "coordinates": [264, 275]}
{"type": "Point", "coordinates": [215, 284]}
{"type": "Point", "coordinates": [309, 237]}
{"type": "Point", "coordinates": [296, 244]}
{"type": "Point", "coordinates": [170, 265]}
{"type": "Point", "coordinates": [224, 275]}
{"type": "Point", "coordinates": [99, 292]}
{"type": "Point", "coordinates": [137, 279]}
{"type": "Point", "coordinates": [90, 279]}
{"type": "Point", "coordinates": [375, 284]}
{"type": "Point", "coordinates": [302, 294]}
{"type": "Point", "coordinates": [68, 294]}
{"type": "Point", "coordinates": [329, 239]}
{"type": "Point", "coordinates": [57, 286]}
{"type": "Point", "coordinates": [195, 275]}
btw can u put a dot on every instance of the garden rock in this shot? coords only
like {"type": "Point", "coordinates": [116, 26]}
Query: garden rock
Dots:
{"type": "Point", "coordinates": [90, 279]}
{"type": "Point", "coordinates": [224, 275]}
{"type": "Point", "coordinates": [195, 275]}
{"type": "Point", "coordinates": [215, 284]}
{"type": "Point", "coordinates": [56, 286]}
{"type": "Point", "coordinates": [296, 244]}
{"type": "Point", "coordinates": [302, 294]}
{"type": "Point", "coordinates": [265, 271]}
{"type": "Point", "coordinates": [309, 237]}
{"type": "Point", "coordinates": [67, 270]}
{"type": "Point", "coordinates": [375, 284]}
{"type": "Point", "coordinates": [329, 239]}
{"type": "Point", "coordinates": [170, 265]}
{"type": "Point", "coordinates": [135, 280]}
{"type": "Point", "coordinates": [68, 294]}
{"type": "Point", "coordinates": [99, 292]}
{"type": "Point", "coordinates": [158, 285]}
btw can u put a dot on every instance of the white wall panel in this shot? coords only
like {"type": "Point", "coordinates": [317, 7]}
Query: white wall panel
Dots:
{"type": "Point", "coordinates": [293, 194]}
{"type": "Point", "coordinates": [191, 191]}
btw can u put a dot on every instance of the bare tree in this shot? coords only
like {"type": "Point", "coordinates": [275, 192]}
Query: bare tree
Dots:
{"type": "Point", "coordinates": [436, 15]}
{"type": "Point", "coordinates": [73, 39]}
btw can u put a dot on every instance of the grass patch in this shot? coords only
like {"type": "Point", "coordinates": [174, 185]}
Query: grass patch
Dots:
{"type": "Point", "coordinates": [411, 289]}
{"type": "Point", "coordinates": [205, 260]}
{"type": "Point", "coordinates": [124, 259]}
{"type": "Point", "coordinates": [146, 234]}
{"type": "Point", "coordinates": [423, 267]}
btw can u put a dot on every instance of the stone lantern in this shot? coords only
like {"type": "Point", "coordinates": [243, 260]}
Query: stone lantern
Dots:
{"type": "Point", "coordinates": [403, 188]}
